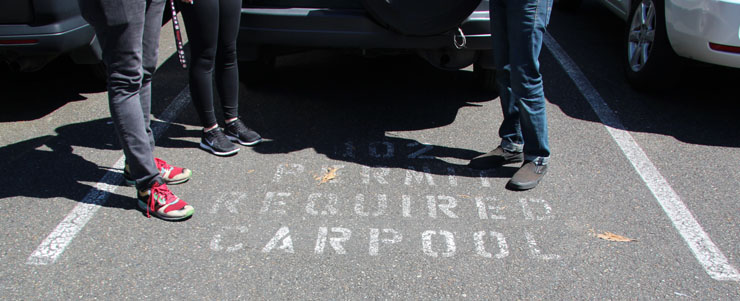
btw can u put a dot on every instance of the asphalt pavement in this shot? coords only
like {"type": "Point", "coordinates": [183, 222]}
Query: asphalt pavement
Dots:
{"type": "Point", "coordinates": [361, 191]}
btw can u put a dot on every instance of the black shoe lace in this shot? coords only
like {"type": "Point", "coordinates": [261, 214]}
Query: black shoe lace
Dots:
{"type": "Point", "coordinates": [239, 128]}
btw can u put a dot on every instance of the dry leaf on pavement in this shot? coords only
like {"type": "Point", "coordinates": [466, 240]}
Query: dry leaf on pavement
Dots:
{"type": "Point", "coordinates": [331, 174]}
{"type": "Point", "coordinates": [613, 237]}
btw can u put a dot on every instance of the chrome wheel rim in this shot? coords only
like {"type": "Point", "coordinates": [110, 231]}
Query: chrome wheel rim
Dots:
{"type": "Point", "coordinates": [641, 35]}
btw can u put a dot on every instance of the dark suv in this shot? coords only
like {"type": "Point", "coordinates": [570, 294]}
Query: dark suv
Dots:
{"type": "Point", "coordinates": [450, 34]}
{"type": "Point", "coordinates": [34, 32]}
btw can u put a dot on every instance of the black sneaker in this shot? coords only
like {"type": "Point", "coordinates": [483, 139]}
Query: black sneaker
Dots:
{"type": "Point", "coordinates": [216, 142]}
{"type": "Point", "coordinates": [527, 177]}
{"type": "Point", "coordinates": [495, 158]}
{"type": "Point", "coordinates": [237, 132]}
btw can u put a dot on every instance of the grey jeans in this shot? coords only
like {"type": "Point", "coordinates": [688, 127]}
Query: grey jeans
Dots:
{"type": "Point", "coordinates": [129, 36]}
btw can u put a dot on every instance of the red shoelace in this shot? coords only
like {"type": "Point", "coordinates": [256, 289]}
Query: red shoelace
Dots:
{"type": "Point", "coordinates": [156, 193]}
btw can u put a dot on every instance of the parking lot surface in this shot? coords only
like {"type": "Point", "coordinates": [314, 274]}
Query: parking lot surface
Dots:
{"type": "Point", "coordinates": [361, 190]}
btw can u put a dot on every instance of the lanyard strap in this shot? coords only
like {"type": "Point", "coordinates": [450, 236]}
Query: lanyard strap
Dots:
{"type": "Point", "coordinates": [178, 37]}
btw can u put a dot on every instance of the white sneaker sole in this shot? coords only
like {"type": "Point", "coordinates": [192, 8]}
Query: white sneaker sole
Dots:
{"type": "Point", "coordinates": [217, 153]}
{"type": "Point", "coordinates": [237, 140]}
{"type": "Point", "coordinates": [144, 206]}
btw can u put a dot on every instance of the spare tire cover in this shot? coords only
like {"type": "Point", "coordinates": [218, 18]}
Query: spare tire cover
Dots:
{"type": "Point", "coordinates": [420, 17]}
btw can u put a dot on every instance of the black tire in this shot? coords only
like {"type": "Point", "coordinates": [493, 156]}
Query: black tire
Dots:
{"type": "Point", "coordinates": [420, 17]}
{"type": "Point", "coordinates": [649, 60]}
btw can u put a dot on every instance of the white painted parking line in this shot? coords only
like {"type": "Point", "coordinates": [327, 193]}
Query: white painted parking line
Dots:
{"type": "Point", "coordinates": [53, 246]}
{"type": "Point", "coordinates": [706, 252]}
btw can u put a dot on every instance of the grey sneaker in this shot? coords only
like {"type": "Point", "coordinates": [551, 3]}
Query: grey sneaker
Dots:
{"type": "Point", "coordinates": [216, 142]}
{"type": "Point", "coordinates": [495, 158]}
{"type": "Point", "coordinates": [237, 132]}
{"type": "Point", "coordinates": [527, 177]}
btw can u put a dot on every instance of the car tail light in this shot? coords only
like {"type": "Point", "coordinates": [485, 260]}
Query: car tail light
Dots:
{"type": "Point", "coordinates": [724, 48]}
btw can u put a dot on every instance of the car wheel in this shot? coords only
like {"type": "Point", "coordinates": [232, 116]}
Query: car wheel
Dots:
{"type": "Point", "coordinates": [650, 62]}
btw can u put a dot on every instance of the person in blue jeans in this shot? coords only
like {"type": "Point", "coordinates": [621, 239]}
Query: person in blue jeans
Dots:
{"type": "Point", "coordinates": [518, 27]}
{"type": "Point", "coordinates": [212, 27]}
{"type": "Point", "coordinates": [128, 31]}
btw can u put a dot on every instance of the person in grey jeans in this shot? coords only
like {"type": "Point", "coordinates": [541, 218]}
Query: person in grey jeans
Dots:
{"type": "Point", "coordinates": [518, 27]}
{"type": "Point", "coordinates": [128, 31]}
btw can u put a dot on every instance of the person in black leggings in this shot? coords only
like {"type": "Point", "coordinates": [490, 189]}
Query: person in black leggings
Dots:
{"type": "Point", "coordinates": [212, 27]}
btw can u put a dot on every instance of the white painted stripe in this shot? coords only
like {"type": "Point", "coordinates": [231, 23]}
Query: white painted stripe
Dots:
{"type": "Point", "coordinates": [706, 252]}
{"type": "Point", "coordinates": [53, 246]}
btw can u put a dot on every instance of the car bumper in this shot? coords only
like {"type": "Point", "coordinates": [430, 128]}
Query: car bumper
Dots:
{"type": "Point", "coordinates": [22, 40]}
{"type": "Point", "coordinates": [693, 25]}
{"type": "Point", "coordinates": [346, 28]}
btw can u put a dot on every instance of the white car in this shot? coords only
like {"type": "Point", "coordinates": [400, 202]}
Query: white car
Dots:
{"type": "Point", "coordinates": [660, 31]}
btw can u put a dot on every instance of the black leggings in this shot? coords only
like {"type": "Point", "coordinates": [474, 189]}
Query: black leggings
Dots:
{"type": "Point", "coordinates": [212, 27]}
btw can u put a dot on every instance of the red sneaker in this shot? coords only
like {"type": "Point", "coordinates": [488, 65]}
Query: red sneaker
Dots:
{"type": "Point", "coordinates": [170, 174]}
{"type": "Point", "coordinates": [161, 202]}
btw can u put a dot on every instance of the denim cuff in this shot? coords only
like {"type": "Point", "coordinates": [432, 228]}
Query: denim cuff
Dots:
{"type": "Point", "coordinates": [511, 146]}
{"type": "Point", "coordinates": [540, 161]}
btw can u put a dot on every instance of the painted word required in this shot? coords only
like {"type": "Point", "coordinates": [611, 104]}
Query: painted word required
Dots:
{"type": "Point", "coordinates": [406, 206]}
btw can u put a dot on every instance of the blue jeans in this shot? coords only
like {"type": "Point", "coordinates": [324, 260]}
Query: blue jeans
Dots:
{"type": "Point", "coordinates": [517, 27]}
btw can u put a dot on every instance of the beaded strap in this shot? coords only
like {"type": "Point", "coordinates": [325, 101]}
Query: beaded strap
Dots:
{"type": "Point", "coordinates": [178, 36]}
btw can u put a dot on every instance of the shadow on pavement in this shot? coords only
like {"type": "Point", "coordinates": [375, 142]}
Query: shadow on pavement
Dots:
{"type": "Point", "coordinates": [48, 167]}
{"type": "Point", "coordinates": [33, 95]}
{"type": "Point", "coordinates": [344, 106]}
